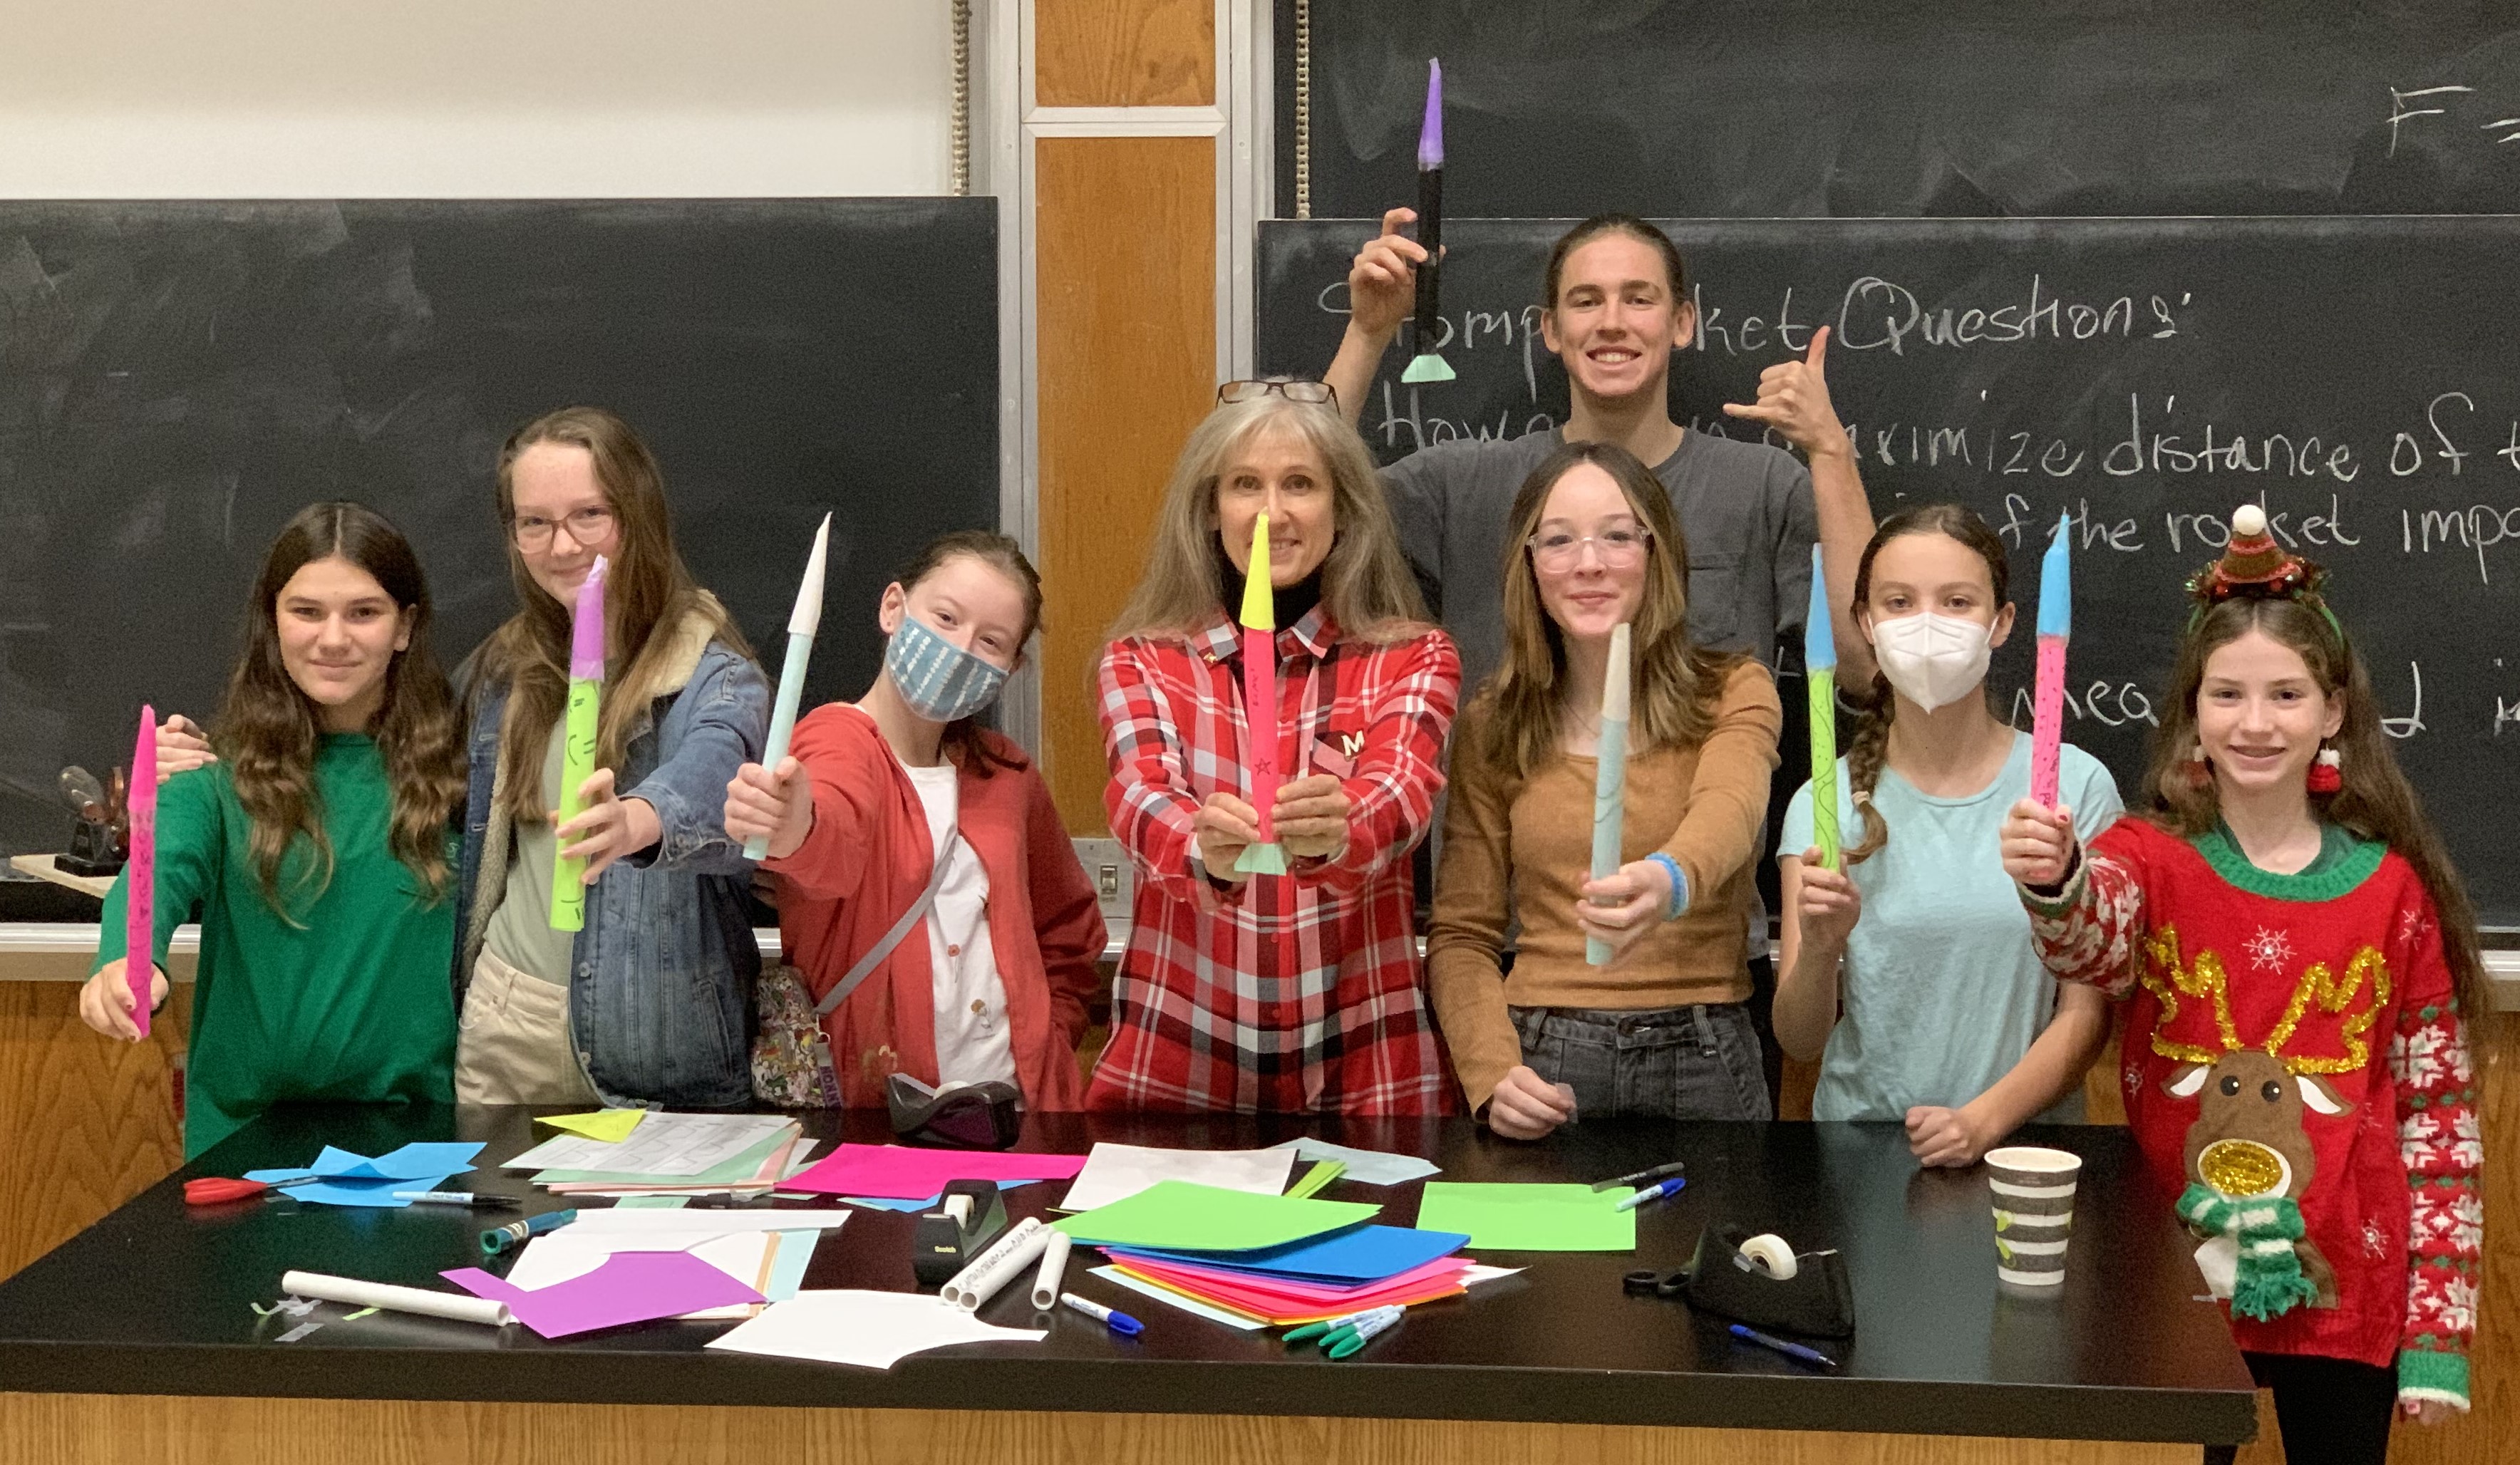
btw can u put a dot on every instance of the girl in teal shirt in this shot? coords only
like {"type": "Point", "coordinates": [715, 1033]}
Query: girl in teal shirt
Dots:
{"type": "Point", "coordinates": [319, 845]}
{"type": "Point", "coordinates": [1950, 1025]}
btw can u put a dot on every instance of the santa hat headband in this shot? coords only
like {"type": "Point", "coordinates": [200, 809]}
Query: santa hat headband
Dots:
{"type": "Point", "coordinates": [2254, 566]}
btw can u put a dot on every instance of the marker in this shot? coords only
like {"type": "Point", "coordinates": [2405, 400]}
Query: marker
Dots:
{"type": "Point", "coordinates": [458, 1198]}
{"type": "Point", "coordinates": [515, 1233]}
{"type": "Point", "coordinates": [1671, 1187]}
{"type": "Point", "coordinates": [1364, 1331]}
{"type": "Point", "coordinates": [1324, 1327]}
{"type": "Point", "coordinates": [1642, 1176]}
{"type": "Point", "coordinates": [1119, 1322]}
{"type": "Point", "coordinates": [1790, 1350]}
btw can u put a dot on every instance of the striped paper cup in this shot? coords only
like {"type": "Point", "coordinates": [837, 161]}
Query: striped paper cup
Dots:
{"type": "Point", "coordinates": [2034, 1212]}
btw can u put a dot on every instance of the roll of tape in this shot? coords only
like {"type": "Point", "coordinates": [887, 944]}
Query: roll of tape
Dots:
{"type": "Point", "coordinates": [1769, 1253]}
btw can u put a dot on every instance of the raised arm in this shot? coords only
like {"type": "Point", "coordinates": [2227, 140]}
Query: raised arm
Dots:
{"type": "Point", "coordinates": [1155, 810]}
{"type": "Point", "coordinates": [1381, 290]}
{"type": "Point", "coordinates": [1794, 400]}
{"type": "Point", "coordinates": [730, 721]}
{"type": "Point", "coordinates": [191, 845]}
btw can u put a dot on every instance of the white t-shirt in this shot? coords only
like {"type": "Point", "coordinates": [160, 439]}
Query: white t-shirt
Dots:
{"type": "Point", "coordinates": [972, 1042]}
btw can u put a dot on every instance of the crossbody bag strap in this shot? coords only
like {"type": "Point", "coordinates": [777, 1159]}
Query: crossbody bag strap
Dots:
{"type": "Point", "coordinates": [911, 917]}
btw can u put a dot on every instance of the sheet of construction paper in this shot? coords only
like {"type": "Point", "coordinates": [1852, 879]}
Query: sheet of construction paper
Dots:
{"type": "Point", "coordinates": [612, 1126]}
{"type": "Point", "coordinates": [1318, 1177]}
{"type": "Point", "coordinates": [1118, 1278]}
{"type": "Point", "coordinates": [1365, 1254]}
{"type": "Point", "coordinates": [1283, 1289]}
{"type": "Point", "coordinates": [1178, 1215]}
{"type": "Point", "coordinates": [557, 1257]}
{"type": "Point", "coordinates": [674, 1146]}
{"type": "Point", "coordinates": [1366, 1167]}
{"type": "Point", "coordinates": [901, 1173]}
{"type": "Point", "coordinates": [787, 1263]}
{"type": "Point", "coordinates": [379, 1194]}
{"type": "Point", "coordinates": [629, 1287]}
{"type": "Point", "coordinates": [916, 1206]}
{"type": "Point", "coordinates": [1116, 1171]}
{"type": "Point", "coordinates": [413, 1162]}
{"type": "Point", "coordinates": [652, 1202]}
{"type": "Point", "coordinates": [1530, 1217]}
{"type": "Point", "coordinates": [865, 1329]}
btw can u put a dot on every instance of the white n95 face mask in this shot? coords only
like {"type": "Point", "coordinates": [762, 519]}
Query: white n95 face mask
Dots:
{"type": "Point", "coordinates": [1933, 660]}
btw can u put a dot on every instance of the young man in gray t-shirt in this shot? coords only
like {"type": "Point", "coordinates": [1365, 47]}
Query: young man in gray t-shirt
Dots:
{"type": "Point", "coordinates": [1617, 306]}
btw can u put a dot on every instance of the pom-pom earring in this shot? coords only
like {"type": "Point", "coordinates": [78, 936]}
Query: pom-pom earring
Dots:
{"type": "Point", "coordinates": [2327, 772]}
{"type": "Point", "coordinates": [2200, 772]}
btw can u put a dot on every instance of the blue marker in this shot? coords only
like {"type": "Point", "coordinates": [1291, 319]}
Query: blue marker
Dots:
{"type": "Point", "coordinates": [1790, 1350]}
{"type": "Point", "coordinates": [1119, 1322]}
{"type": "Point", "coordinates": [1653, 1193]}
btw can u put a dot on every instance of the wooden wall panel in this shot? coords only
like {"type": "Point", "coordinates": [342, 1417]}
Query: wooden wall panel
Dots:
{"type": "Point", "coordinates": [92, 1430]}
{"type": "Point", "coordinates": [87, 1124]}
{"type": "Point", "coordinates": [1124, 53]}
{"type": "Point", "coordinates": [1125, 271]}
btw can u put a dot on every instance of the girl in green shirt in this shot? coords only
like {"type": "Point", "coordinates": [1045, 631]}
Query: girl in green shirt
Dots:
{"type": "Point", "coordinates": [319, 845]}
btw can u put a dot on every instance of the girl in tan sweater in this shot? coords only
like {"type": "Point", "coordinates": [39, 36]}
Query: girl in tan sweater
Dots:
{"type": "Point", "coordinates": [1661, 1030]}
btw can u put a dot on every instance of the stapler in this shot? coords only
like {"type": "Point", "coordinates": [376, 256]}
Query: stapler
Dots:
{"type": "Point", "coordinates": [968, 1216]}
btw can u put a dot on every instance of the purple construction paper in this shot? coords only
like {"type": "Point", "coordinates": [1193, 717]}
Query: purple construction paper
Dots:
{"type": "Point", "coordinates": [629, 1287]}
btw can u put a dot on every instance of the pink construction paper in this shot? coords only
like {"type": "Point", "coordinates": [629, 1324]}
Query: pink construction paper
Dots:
{"type": "Point", "coordinates": [1276, 1296]}
{"type": "Point", "coordinates": [140, 883]}
{"type": "Point", "coordinates": [629, 1287]}
{"type": "Point", "coordinates": [1276, 1313]}
{"type": "Point", "coordinates": [894, 1171]}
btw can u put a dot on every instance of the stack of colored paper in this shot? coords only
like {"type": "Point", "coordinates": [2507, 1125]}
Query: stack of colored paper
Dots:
{"type": "Point", "coordinates": [1327, 1276]}
{"type": "Point", "coordinates": [352, 1179]}
{"type": "Point", "coordinates": [670, 1153]}
{"type": "Point", "coordinates": [899, 1172]}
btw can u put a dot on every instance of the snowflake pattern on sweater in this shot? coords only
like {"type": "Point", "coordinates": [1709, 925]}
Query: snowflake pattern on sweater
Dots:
{"type": "Point", "coordinates": [2181, 927]}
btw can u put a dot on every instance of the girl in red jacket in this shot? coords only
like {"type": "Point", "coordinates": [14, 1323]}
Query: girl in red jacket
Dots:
{"type": "Point", "coordinates": [874, 792]}
{"type": "Point", "coordinates": [2297, 948]}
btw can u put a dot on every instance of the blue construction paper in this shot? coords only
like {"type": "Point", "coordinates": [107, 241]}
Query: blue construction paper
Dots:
{"type": "Point", "coordinates": [887, 1203]}
{"type": "Point", "coordinates": [1361, 1254]}
{"type": "Point", "coordinates": [413, 1162]}
{"type": "Point", "coordinates": [377, 1193]}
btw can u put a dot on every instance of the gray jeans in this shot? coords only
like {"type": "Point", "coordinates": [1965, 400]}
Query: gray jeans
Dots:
{"type": "Point", "coordinates": [1697, 1063]}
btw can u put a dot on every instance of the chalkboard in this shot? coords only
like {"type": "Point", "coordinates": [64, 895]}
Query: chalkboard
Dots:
{"type": "Point", "coordinates": [2356, 375]}
{"type": "Point", "coordinates": [177, 379]}
{"type": "Point", "coordinates": [1809, 109]}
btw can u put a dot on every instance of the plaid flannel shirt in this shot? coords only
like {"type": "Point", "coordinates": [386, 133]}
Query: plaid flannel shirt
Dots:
{"type": "Point", "coordinates": [1288, 993]}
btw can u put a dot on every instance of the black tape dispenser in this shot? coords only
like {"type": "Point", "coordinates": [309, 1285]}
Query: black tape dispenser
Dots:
{"type": "Point", "coordinates": [968, 1216]}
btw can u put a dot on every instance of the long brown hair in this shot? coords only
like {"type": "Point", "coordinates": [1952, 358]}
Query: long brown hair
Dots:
{"type": "Point", "coordinates": [648, 594]}
{"type": "Point", "coordinates": [962, 739]}
{"type": "Point", "coordinates": [2377, 801]}
{"type": "Point", "coordinates": [1366, 583]}
{"type": "Point", "coordinates": [268, 731]}
{"type": "Point", "coordinates": [1869, 747]}
{"type": "Point", "coordinates": [1676, 685]}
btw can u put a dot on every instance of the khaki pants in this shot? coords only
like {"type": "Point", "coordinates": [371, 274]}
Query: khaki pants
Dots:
{"type": "Point", "coordinates": [514, 1046]}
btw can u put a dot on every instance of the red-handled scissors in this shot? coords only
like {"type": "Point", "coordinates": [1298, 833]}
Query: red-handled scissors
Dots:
{"type": "Point", "coordinates": [215, 1190]}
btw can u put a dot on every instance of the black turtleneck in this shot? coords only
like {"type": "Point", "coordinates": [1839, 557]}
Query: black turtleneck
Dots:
{"type": "Point", "coordinates": [1291, 600]}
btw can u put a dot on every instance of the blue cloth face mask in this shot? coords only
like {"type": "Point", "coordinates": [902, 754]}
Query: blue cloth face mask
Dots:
{"type": "Point", "coordinates": [939, 679]}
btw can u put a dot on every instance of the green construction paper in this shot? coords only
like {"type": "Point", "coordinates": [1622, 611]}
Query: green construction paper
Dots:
{"type": "Point", "coordinates": [1517, 1218]}
{"type": "Point", "coordinates": [1261, 860]}
{"type": "Point", "coordinates": [742, 1167]}
{"type": "Point", "coordinates": [1178, 1215]}
{"type": "Point", "coordinates": [652, 1203]}
{"type": "Point", "coordinates": [1320, 1174]}
{"type": "Point", "coordinates": [612, 1126]}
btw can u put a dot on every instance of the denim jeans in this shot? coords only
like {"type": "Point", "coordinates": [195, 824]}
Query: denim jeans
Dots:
{"type": "Point", "coordinates": [1697, 1063]}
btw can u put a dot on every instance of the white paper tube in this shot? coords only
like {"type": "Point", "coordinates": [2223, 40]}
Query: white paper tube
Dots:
{"type": "Point", "coordinates": [1769, 1253]}
{"type": "Point", "coordinates": [1053, 1266]}
{"type": "Point", "coordinates": [386, 1294]}
{"type": "Point", "coordinates": [976, 1283]}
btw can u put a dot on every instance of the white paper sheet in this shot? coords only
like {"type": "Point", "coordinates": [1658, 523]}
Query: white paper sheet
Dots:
{"type": "Point", "coordinates": [663, 1145]}
{"type": "Point", "coordinates": [865, 1329]}
{"type": "Point", "coordinates": [1116, 1171]}
{"type": "Point", "coordinates": [1365, 1167]}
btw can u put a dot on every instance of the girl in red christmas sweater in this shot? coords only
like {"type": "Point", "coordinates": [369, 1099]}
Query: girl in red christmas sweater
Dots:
{"type": "Point", "coordinates": [2297, 948]}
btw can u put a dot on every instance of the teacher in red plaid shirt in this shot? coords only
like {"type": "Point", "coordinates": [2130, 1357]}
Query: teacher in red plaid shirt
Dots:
{"type": "Point", "coordinates": [1298, 993]}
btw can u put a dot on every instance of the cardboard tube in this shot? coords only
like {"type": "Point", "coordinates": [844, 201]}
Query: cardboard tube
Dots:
{"type": "Point", "coordinates": [386, 1294]}
{"type": "Point", "coordinates": [1053, 1268]}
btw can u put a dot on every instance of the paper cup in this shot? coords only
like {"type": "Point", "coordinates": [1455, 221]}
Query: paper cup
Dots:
{"type": "Point", "coordinates": [2034, 1212]}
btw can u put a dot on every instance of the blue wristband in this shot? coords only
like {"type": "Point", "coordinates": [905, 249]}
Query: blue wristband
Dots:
{"type": "Point", "coordinates": [1679, 885]}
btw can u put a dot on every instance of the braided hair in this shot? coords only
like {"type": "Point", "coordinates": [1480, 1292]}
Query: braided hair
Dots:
{"type": "Point", "coordinates": [1869, 746]}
